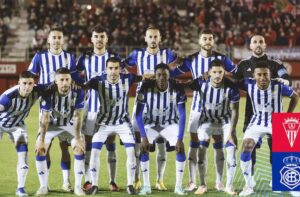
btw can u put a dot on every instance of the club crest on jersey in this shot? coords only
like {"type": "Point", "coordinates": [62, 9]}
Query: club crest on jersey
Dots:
{"type": "Point", "coordinates": [291, 127]}
{"type": "Point", "coordinates": [290, 173]}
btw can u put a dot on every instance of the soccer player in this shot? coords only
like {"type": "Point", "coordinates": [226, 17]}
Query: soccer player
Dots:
{"type": "Point", "coordinates": [44, 64]}
{"type": "Point", "coordinates": [93, 64]}
{"type": "Point", "coordinates": [113, 118]}
{"type": "Point", "coordinates": [198, 64]}
{"type": "Point", "coordinates": [164, 117]}
{"type": "Point", "coordinates": [61, 116]}
{"type": "Point", "coordinates": [219, 100]}
{"type": "Point", "coordinates": [245, 70]}
{"type": "Point", "coordinates": [266, 97]}
{"type": "Point", "coordinates": [146, 59]}
{"type": "Point", "coordinates": [15, 104]}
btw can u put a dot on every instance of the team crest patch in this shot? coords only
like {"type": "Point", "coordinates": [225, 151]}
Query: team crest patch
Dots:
{"type": "Point", "coordinates": [285, 152]}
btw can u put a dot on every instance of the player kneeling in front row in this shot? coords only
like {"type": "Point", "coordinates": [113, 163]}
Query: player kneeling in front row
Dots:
{"type": "Point", "coordinates": [266, 98]}
{"type": "Point", "coordinates": [165, 107]}
{"type": "Point", "coordinates": [62, 111]}
{"type": "Point", "coordinates": [113, 118]}
{"type": "Point", "coordinates": [15, 104]}
{"type": "Point", "coordinates": [219, 100]}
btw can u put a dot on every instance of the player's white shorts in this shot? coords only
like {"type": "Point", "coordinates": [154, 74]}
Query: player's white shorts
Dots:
{"type": "Point", "coordinates": [64, 133]}
{"type": "Point", "coordinates": [194, 121]}
{"type": "Point", "coordinates": [16, 134]}
{"type": "Point", "coordinates": [123, 130]}
{"type": "Point", "coordinates": [255, 132]}
{"type": "Point", "coordinates": [168, 132]}
{"type": "Point", "coordinates": [88, 127]}
{"type": "Point", "coordinates": [206, 130]}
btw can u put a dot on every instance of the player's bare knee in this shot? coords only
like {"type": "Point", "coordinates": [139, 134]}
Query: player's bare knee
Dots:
{"type": "Point", "coordinates": [194, 137]}
{"type": "Point", "coordinates": [248, 144]}
{"type": "Point", "coordinates": [111, 139]}
{"type": "Point", "coordinates": [88, 139]}
{"type": "Point", "coordinates": [218, 138]}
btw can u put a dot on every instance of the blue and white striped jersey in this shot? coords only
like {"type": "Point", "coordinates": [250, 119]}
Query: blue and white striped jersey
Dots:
{"type": "Point", "coordinates": [265, 102]}
{"type": "Point", "coordinates": [198, 65]}
{"type": "Point", "coordinates": [62, 107]}
{"type": "Point", "coordinates": [93, 65]}
{"type": "Point", "coordinates": [113, 98]}
{"type": "Point", "coordinates": [45, 64]}
{"type": "Point", "coordinates": [147, 62]}
{"type": "Point", "coordinates": [17, 108]}
{"type": "Point", "coordinates": [161, 108]}
{"type": "Point", "coordinates": [215, 102]}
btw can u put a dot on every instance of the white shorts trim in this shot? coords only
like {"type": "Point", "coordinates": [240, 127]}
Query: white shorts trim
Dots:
{"type": "Point", "coordinates": [194, 121]}
{"type": "Point", "coordinates": [124, 131]}
{"type": "Point", "coordinates": [206, 130]}
{"type": "Point", "coordinates": [88, 127]}
{"type": "Point", "coordinates": [16, 134]}
{"type": "Point", "coordinates": [255, 132]}
{"type": "Point", "coordinates": [64, 133]}
{"type": "Point", "coordinates": [168, 132]}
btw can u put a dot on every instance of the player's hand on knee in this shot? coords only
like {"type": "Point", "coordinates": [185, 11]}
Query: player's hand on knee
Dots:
{"type": "Point", "coordinates": [145, 146]}
{"type": "Point", "coordinates": [179, 146]}
{"type": "Point", "coordinates": [40, 148]}
{"type": "Point", "coordinates": [79, 147]}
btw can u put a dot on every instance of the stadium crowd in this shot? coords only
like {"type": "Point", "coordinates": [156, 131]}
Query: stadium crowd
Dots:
{"type": "Point", "coordinates": [233, 21]}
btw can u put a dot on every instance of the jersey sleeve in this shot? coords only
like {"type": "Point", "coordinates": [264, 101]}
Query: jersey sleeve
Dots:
{"type": "Point", "coordinates": [172, 56]}
{"type": "Point", "coordinates": [35, 64]}
{"type": "Point", "coordinates": [142, 95]}
{"type": "Point", "coordinates": [131, 60]}
{"type": "Point", "coordinates": [73, 64]}
{"type": "Point", "coordinates": [93, 83]}
{"type": "Point", "coordinates": [79, 103]}
{"type": "Point", "coordinates": [46, 103]}
{"type": "Point", "coordinates": [195, 84]}
{"type": "Point", "coordinates": [183, 68]}
{"type": "Point", "coordinates": [286, 90]}
{"type": "Point", "coordinates": [80, 63]}
{"type": "Point", "coordinates": [5, 101]}
{"type": "Point", "coordinates": [234, 95]}
{"type": "Point", "coordinates": [229, 65]}
{"type": "Point", "coordinates": [181, 97]}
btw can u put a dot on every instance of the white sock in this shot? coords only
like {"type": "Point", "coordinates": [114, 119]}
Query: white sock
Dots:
{"type": "Point", "coordinates": [192, 163]}
{"type": "Point", "coordinates": [95, 165]}
{"type": "Point", "coordinates": [180, 163]}
{"type": "Point", "coordinates": [137, 157]}
{"type": "Point", "coordinates": [66, 166]}
{"type": "Point", "coordinates": [219, 161]}
{"type": "Point", "coordinates": [112, 162]}
{"type": "Point", "coordinates": [202, 164]}
{"type": "Point", "coordinates": [78, 169]}
{"type": "Point", "coordinates": [130, 164]}
{"type": "Point", "coordinates": [41, 167]}
{"type": "Point", "coordinates": [161, 160]}
{"type": "Point", "coordinates": [230, 165]}
{"type": "Point", "coordinates": [86, 165]}
{"type": "Point", "coordinates": [145, 167]}
{"type": "Point", "coordinates": [22, 168]}
{"type": "Point", "coordinates": [246, 164]}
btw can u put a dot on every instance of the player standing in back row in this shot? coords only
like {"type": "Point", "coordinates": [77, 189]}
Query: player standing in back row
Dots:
{"type": "Point", "coordinates": [146, 60]}
{"type": "Point", "coordinates": [93, 64]}
{"type": "Point", "coordinates": [44, 64]}
{"type": "Point", "coordinates": [198, 64]}
{"type": "Point", "coordinates": [245, 69]}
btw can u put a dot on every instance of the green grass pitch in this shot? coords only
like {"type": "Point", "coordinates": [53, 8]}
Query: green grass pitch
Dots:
{"type": "Point", "coordinates": [8, 160]}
